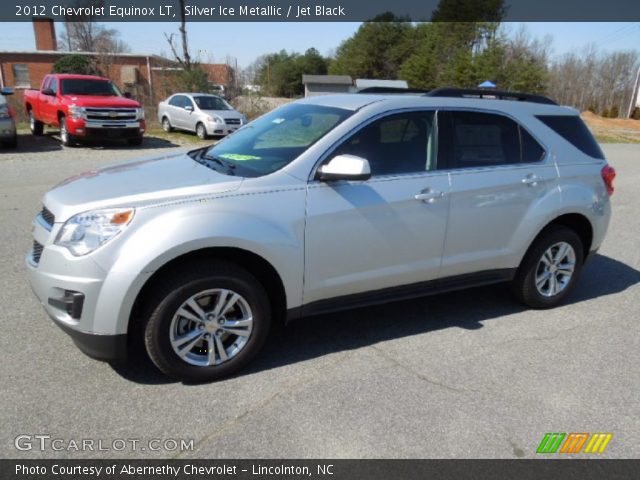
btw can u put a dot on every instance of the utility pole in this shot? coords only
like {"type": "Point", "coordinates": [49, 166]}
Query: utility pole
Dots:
{"type": "Point", "coordinates": [635, 95]}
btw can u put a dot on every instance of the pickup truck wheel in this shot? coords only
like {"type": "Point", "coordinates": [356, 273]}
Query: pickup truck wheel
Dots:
{"type": "Point", "coordinates": [166, 125]}
{"type": "Point", "coordinates": [36, 127]}
{"type": "Point", "coordinates": [207, 322]}
{"type": "Point", "coordinates": [201, 131]}
{"type": "Point", "coordinates": [550, 269]}
{"type": "Point", "coordinates": [65, 137]}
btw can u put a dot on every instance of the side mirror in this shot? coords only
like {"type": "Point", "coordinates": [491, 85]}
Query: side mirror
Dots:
{"type": "Point", "coordinates": [48, 91]}
{"type": "Point", "coordinates": [345, 167]}
{"type": "Point", "coordinates": [126, 94]}
{"type": "Point", "coordinates": [189, 108]}
{"type": "Point", "coordinates": [6, 91]}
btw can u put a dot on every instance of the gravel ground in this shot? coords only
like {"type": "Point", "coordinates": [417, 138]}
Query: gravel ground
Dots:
{"type": "Point", "coordinates": [466, 374]}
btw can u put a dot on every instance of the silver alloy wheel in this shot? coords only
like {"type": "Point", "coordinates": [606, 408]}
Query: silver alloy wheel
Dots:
{"type": "Point", "coordinates": [201, 132]}
{"type": "Point", "coordinates": [32, 121]}
{"type": "Point", "coordinates": [555, 269]}
{"type": "Point", "coordinates": [64, 133]}
{"type": "Point", "coordinates": [166, 126]}
{"type": "Point", "coordinates": [211, 327]}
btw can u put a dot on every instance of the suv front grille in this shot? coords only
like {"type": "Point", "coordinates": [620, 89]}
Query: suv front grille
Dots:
{"type": "Point", "coordinates": [37, 252]}
{"type": "Point", "coordinates": [108, 116]}
{"type": "Point", "coordinates": [47, 216]}
{"type": "Point", "coordinates": [232, 121]}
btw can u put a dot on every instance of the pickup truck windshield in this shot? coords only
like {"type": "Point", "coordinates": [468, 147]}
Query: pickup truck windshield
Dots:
{"type": "Point", "coordinates": [274, 140]}
{"type": "Point", "coordinates": [211, 103]}
{"type": "Point", "coordinates": [101, 88]}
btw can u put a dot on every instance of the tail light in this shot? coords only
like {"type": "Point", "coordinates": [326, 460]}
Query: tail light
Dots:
{"type": "Point", "coordinates": [608, 173]}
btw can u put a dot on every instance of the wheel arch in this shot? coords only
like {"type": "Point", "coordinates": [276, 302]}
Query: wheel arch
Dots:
{"type": "Point", "coordinates": [255, 264]}
{"type": "Point", "coordinates": [577, 222]}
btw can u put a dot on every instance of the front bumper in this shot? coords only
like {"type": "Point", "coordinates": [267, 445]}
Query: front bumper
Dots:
{"type": "Point", "coordinates": [89, 129]}
{"type": "Point", "coordinates": [70, 301]}
{"type": "Point", "coordinates": [221, 128]}
{"type": "Point", "coordinates": [69, 289]}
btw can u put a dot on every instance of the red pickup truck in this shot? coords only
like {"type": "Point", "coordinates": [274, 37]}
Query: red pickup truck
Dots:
{"type": "Point", "coordinates": [84, 107]}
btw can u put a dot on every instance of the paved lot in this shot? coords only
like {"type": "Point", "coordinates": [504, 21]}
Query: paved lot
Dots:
{"type": "Point", "coordinates": [467, 374]}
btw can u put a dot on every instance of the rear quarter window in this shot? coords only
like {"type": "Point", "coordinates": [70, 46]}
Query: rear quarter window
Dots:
{"type": "Point", "coordinates": [574, 131]}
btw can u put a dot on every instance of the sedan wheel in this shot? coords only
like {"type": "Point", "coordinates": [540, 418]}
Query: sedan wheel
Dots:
{"type": "Point", "coordinates": [201, 131]}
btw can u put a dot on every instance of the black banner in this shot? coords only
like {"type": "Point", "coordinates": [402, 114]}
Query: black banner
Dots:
{"type": "Point", "coordinates": [319, 469]}
{"type": "Point", "coordinates": [312, 10]}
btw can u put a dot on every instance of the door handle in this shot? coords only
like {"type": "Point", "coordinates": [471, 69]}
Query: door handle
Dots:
{"type": "Point", "coordinates": [429, 195]}
{"type": "Point", "coordinates": [531, 180]}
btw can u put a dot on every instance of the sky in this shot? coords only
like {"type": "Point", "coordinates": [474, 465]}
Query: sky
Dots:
{"type": "Point", "coordinates": [214, 42]}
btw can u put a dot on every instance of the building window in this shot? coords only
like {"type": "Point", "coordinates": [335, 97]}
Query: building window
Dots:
{"type": "Point", "coordinates": [21, 75]}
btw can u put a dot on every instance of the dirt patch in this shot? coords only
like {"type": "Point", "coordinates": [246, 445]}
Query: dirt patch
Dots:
{"type": "Point", "coordinates": [613, 130]}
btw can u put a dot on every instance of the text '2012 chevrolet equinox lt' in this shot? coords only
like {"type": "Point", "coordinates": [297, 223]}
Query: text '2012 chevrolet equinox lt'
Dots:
{"type": "Point", "coordinates": [323, 204]}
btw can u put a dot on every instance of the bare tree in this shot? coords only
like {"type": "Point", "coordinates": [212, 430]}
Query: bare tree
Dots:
{"type": "Point", "coordinates": [185, 59]}
{"type": "Point", "coordinates": [602, 83]}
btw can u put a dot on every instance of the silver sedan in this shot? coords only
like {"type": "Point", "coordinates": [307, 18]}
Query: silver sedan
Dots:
{"type": "Point", "coordinates": [201, 113]}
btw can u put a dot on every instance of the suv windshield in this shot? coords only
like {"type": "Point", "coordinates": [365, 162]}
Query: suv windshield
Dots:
{"type": "Point", "coordinates": [211, 103]}
{"type": "Point", "coordinates": [275, 139]}
{"type": "Point", "coordinates": [104, 88]}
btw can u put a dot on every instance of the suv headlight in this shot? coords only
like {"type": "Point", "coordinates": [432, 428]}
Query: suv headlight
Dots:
{"type": "Point", "coordinates": [76, 112]}
{"type": "Point", "coordinates": [85, 232]}
{"type": "Point", "coordinates": [139, 113]}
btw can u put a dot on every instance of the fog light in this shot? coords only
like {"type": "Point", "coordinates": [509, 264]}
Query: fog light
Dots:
{"type": "Point", "coordinates": [71, 303]}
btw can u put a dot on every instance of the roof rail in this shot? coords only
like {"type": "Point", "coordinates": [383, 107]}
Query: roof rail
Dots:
{"type": "Point", "coordinates": [489, 93]}
{"type": "Point", "coordinates": [392, 90]}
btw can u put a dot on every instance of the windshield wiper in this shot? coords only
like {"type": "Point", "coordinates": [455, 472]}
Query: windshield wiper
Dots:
{"type": "Point", "coordinates": [220, 161]}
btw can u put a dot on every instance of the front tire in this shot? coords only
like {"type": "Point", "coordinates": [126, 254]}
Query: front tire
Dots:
{"type": "Point", "coordinates": [65, 138]}
{"type": "Point", "coordinates": [36, 127]}
{"type": "Point", "coordinates": [550, 268]}
{"type": "Point", "coordinates": [206, 322]}
{"type": "Point", "coordinates": [201, 131]}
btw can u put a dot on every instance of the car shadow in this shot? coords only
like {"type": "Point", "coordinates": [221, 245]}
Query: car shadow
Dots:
{"type": "Point", "coordinates": [326, 334]}
{"type": "Point", "coordinates": [50, 141]}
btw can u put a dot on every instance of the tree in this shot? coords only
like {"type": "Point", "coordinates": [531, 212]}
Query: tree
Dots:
{"type": "Point", "coordinates": [280, 74]}
{"type": "Point", "coordinates": [79, 64]}
{"type": "Point", "coordinates": [376, 50]}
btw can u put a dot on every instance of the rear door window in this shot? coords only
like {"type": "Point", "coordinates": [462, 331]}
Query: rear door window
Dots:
{"type": "Point", "coordinates": [477, 139]}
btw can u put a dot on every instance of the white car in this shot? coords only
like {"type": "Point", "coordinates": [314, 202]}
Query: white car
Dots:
{"type": "Point", "coordinates": [201, 113]}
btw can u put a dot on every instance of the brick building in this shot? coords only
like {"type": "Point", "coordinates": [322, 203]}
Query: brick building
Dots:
{"type": "Point", "coordinates": [146, 77]}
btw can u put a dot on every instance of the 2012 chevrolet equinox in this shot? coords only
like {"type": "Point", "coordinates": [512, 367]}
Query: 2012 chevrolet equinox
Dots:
{"type": "Point", "coordinates": [326, 203]}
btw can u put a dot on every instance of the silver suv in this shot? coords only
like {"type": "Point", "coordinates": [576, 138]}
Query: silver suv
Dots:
{"type": "Point", "coordinates": [326, 203]}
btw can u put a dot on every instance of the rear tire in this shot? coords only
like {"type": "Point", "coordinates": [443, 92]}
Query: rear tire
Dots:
{"type": "Point", "coordinates": [195, 342]}
{"type": "Point", "coordinates": [166, 125]}
{"type": "Point", "coordinates": [36, 127]}
{"type": "Point", "coordinates": [550, 268]}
